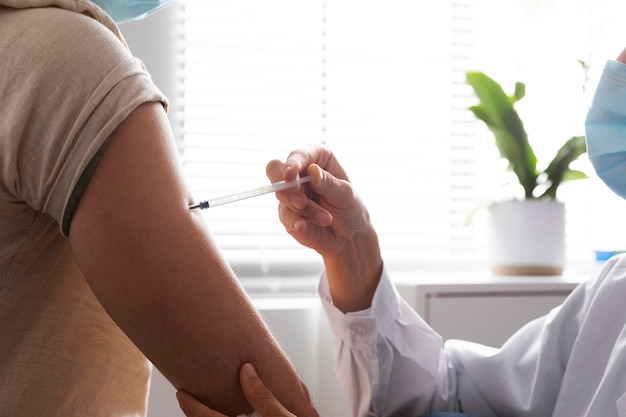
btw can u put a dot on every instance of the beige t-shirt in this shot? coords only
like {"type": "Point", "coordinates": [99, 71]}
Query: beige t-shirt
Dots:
{"type": "Point", "coordinates": [67, 79]}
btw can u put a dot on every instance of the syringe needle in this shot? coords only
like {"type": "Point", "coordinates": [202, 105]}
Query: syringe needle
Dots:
{"type": "Point", "coordinates": [272, 188]}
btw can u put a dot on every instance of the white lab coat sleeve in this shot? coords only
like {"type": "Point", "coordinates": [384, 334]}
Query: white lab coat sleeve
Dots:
{"type": "Point", "coordinates": [391, 363]}
{"type": "Point", "coordinates": [388, 360]}
{"type": "Point", "coordinates": [545, 359]}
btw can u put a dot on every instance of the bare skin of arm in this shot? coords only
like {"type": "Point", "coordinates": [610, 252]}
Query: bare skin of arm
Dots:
{"type": "Point", "coordinates": [154, 267]}
{"type": "Point", "coordinates": [255, 391]}
{"type": "Point", "coordinates": [329, 217]}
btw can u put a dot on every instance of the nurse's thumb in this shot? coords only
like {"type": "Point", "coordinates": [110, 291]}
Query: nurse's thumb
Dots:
{"type": "Point", "coordinates": [259, 396]}
{"type": "Point", "coordinates": [336, 191]}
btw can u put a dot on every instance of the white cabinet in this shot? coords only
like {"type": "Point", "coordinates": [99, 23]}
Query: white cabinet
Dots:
{"type": "Point", "coordinates": [483, 308]}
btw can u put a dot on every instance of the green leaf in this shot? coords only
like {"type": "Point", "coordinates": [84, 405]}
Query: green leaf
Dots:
{"type": "Point", "coordinates": [496, 110]}
{"type": "Point", "coordinates": [558, 170]}
{"type": "Point", "coordinates": [573, 175]}
{"type": "Point", "coordinates": [520, 92]}
{"type": "Point", "coordinates": [482, 114]}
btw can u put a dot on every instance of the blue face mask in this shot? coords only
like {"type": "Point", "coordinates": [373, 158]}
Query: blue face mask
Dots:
{"type": "Point", "coordinates": [127, 10]}
{"type": "Point", "coordinates": [605, 128]}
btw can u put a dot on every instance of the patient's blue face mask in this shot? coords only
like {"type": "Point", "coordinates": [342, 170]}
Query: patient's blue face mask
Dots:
{"type": "Point", "coordinates": [127, 10]}
{"type": "Point", "coordinates": [606, 128]}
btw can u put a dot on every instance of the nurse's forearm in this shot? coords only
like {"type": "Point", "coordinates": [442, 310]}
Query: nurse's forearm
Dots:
{"type": "Point", "coordinates": [353, 277]}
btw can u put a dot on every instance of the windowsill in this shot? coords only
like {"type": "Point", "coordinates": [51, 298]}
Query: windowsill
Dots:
{"type": "Point", "coordinates": [292, 287]}
{"type": "Point", "coordinates": [304, 286]}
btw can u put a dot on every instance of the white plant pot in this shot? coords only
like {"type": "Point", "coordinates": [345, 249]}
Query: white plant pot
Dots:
{"type": "Point", "coordinates": [527, 237]}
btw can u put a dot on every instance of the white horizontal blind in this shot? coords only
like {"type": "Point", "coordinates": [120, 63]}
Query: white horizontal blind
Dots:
{"type": "Point", "coordinates": [264, 78]}
{"type": "Point", "coordinates": [388, 119]}
{"type": "Point", "coordinates": [382, 84]}
{"type": "Point", "coordinates": [252, 92]}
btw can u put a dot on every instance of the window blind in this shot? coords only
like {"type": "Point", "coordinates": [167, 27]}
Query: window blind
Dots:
{"type": "Point", "coordinates": [382, 84]}
{"type": "Point", "coordinates": [252, 92]}
{"type": "Point", "coordinates": [360, 77]}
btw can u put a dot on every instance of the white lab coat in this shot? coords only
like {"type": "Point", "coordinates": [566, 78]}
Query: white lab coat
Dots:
{"type": "Point", "coordinates": [571, 362]}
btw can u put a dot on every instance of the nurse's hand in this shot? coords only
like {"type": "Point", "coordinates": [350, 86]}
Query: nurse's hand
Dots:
{"type": "Point", "coordinates": [328, 216]}
{"type": "Point", "coordinates": [257, 394]}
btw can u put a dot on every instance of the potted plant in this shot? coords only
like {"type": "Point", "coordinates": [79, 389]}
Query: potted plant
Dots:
{"type": "Point", "coordinates": [528, 234]}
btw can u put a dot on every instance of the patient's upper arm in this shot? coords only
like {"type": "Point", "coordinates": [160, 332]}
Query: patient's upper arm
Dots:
{"type": "Point", "coordinates": [153, 265]}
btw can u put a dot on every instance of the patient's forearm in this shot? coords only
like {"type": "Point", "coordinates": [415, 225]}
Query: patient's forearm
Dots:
{"type": "Point", "coordinates": [216, 337]}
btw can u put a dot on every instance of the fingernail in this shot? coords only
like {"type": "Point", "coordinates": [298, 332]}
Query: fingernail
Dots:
{"type": "Point", "coordinates": [249, 371]}
{"type": "Point", "coordinates": [286, 170]}
{"type": "Point", "coordinates": [323, 218]}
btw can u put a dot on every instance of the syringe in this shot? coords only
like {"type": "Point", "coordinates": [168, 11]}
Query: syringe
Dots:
{"type": "Point", "coordinates": [272, 188]}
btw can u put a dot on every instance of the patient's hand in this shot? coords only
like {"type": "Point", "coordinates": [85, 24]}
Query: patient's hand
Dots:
{"type": "Point", "coordinates": [257, 394]}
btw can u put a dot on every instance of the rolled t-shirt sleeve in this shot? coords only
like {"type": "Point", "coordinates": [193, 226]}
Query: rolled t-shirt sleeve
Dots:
{"type": "Point", "coordinates": [73, 84]}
